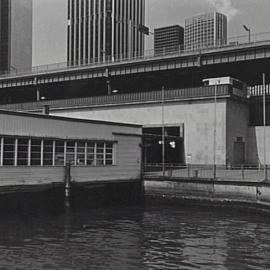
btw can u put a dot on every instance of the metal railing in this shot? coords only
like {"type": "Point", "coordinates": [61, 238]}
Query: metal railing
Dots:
{"type": "Point", "coordinates": [249, 173]}
{"type": "Point", "coordinates": [137, 97]}
{"type": "Point", "coordinates": [232, 42]}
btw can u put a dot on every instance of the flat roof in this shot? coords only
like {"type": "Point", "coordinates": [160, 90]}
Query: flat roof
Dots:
{"type": "Point", "coordinates": [69, 119]}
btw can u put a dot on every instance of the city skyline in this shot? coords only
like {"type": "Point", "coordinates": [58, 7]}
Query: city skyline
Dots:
{"type": "Point", "coordinates": [50, 19]}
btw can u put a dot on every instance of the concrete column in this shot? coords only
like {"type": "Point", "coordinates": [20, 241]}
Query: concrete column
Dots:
{"type": "Point", "coordinates": [29, 153]}
{"type": "Point", "coordinates": [65, 153]}
{"type": "Point", "coordinates": [85, 154]}
{"type": "Point", "coordinates": [41, 152]}
{"type": "Point", "coordinates": [2, 151]}
{"type": "Point", "coordinates": [53, 154]}
{"type": "Point", "coordinates": [75, 153]}
{"type": "Point", "coordinates": [95, 154]}
{"type": "Point", "coordinates": [15, 162]}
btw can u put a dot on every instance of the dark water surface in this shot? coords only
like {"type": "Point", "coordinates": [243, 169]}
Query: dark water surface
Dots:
{"type": "Point", "coordinates": [135, 237]}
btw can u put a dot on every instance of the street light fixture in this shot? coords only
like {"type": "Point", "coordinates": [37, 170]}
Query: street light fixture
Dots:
{"type": "Point", "coordinates": [248, 30]}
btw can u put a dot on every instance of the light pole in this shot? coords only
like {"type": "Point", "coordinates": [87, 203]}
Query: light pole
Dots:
{"type": "Point", "coordinates": [264, 131]}
{"type": "Point", "coordinates": [248, 30]}
{"type": "Point", "coordinates": [163, 132]}
{"type": "Point", "coordinates": [215, 129]}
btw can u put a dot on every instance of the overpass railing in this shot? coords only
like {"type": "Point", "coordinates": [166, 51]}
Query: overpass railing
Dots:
{"type": "Point", "coordinates": [232, 42]}
{"type": "Point", "coordinates": [245, 172]}
{"type": "Point", "coordinates": [258, 90]}
{"type": "Point", "coordinates": [118, 99]}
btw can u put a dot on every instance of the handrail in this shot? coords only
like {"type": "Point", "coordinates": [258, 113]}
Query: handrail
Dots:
{"type": "Point", "coordinates": [137, 97]}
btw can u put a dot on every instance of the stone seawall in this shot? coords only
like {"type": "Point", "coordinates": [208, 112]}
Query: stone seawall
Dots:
{"type": "Point", "coordinates": [215, 191]}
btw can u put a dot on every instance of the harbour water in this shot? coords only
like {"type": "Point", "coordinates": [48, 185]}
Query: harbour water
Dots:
{"type": "Point", "coordinates": [156, 236]}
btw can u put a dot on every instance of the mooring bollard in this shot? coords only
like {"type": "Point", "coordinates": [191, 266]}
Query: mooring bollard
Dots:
{"type": "Point", "coordinates": [67, 180]}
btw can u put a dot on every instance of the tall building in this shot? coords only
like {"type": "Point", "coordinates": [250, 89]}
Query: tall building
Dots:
{"type": "Point", "coordinates": [169, 38]}
{"type": "Point", "coordinates": [15, 34]}
{"type": "Point", "coordinates": [205, 30]}
{"type": "Point", "coordinates": [104, 29]}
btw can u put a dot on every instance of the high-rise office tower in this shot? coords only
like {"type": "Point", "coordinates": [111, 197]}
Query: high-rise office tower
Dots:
{"type": "Point", "coordinates": [104, 29]}
{"type": "Point", "coordinates": [15, 34]}
{"type": "Point", "coordinates": [169, 38]}
{"type": "Point", "coordinates": [207, 30]}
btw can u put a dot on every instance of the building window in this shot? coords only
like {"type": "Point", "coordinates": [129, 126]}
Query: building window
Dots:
{"type": "Point", "coordinates": [36, 152]}
{"type": "Point", "coordinates": [9, 151]}
{"type": "Point", "coordinates": [22, 152]}
{"type": "Point", "coordinates": [81, 154]}
{"type": "Point", "coordinates": [70, 152]}
{"type": "Point", "coordinates": [48, 152]}
{"type": "Point", "coordinates": [90, 153]}
{"type": "Point", "coordinates": [59, 153]}
{"type": "Point", "coordinates": [109, 153]}
{"type": "Point", "coordinates": [100, 154]}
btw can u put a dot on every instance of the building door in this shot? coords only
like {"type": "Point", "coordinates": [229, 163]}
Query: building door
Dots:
{"type": "Point", "coordinates": [239, 153]}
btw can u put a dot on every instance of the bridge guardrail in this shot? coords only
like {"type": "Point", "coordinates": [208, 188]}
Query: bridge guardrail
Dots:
{"type": "Point", "coordinates": [233, 42]}
{"type": "Point", "coordinates": [151, 96]}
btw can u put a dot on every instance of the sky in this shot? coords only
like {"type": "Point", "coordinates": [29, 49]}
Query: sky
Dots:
{"type": "Point", "coordinates": [50, 20]}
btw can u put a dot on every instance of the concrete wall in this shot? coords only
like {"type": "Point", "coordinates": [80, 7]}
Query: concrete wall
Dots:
{"type": "Point", "coordinates": [197, 117]}
{"type": "Point", "coordinates": [237, 126]}
{"type": "Point", "coordinates": [256, 147]}
{"type": "Point", "coordinates": [21, 34]}
{"type": "Point", "coordinates": [211, 191]}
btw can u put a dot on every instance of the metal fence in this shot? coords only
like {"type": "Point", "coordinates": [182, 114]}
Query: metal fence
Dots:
{"type": "Point", "coordinates": [250, 172]}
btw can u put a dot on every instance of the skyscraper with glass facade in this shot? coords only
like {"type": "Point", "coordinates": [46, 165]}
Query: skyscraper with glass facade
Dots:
{"type": "Point", "coordinates": [168, 38]}
{"type": "Point", "coordinates": [15, 34]}
{"type": "Point", "coordinates": [100, 30]}
{"type": "Point", "coordinates": [206, 30]}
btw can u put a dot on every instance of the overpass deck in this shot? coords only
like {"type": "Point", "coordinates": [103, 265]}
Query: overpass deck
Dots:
{"type": "Point", "coordinates": [176, 59]}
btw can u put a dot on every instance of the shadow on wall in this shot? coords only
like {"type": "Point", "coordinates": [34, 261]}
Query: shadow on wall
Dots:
{"type": "Point", "coordinates": [252, 147]}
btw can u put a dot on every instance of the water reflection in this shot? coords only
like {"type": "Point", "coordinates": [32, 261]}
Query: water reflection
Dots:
{"type": "Point", "coordinates": [156, 237]}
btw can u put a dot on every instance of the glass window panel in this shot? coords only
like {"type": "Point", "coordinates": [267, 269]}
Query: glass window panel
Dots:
{"type": "Point", "coordinates": [70, 152]}
{"type": "Point", "coordinates": [90, 153]}
{"type": "Point", "coordinates": [9, 151]}
{"type": "Point", "coordinates": [59, 153]}
{"type": "Point", "coordinates": [109, 153]}
{"type": "Point", "coordinates": [22, 152]}
{"type": "Point", "coordinates": [100, 154]}
{"type": "Point", "coordinates": [35, 151]}
{"type": "Point", "coordinates": [48, 152]}
{"type": "Point", "coordinates": [80, 153]}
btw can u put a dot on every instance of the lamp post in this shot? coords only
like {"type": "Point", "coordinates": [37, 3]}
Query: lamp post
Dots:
{"type": "Point", "coordinates": [248, 30]}
{"type": "Point", "coordinates": [163, 132]}
{"type": "Point", "coordinates": [215, 130]}
{"type": "Point", "coordinates": [264, 130]}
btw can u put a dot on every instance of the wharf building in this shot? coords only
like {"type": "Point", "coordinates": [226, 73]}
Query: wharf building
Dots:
{"type": "Point", "coordinates": [206, 30]}
{"type": "Point", "coordinates": [169, 38]}
{"type": "Point", "coordinates": [34, 150]}
{"type": "Point", "coordinates": [100, 30]}
{"type": "Point", "coordinates": [15, 35]}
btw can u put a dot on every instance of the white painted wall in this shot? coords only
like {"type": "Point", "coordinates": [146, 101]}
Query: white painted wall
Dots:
{"type": "Point", "coordinates": [197, 117]}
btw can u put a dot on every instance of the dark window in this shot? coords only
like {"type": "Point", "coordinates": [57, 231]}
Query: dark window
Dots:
{"type": "Point", "coordinates": [9, 151]}
{"type": "Point", "coordinates": [48, 153]}
{"type": "Point", "coordinates": [22, 152]}
{"type": "Point", "coordinates": [35, 152]}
